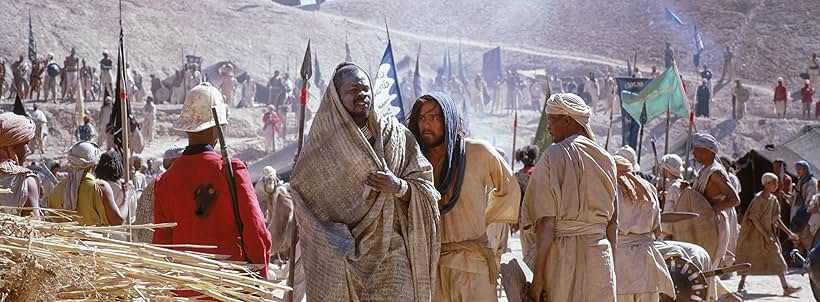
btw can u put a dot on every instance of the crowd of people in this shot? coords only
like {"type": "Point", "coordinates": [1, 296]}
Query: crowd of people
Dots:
{"type": "Point", "coordinates": [422, 211]}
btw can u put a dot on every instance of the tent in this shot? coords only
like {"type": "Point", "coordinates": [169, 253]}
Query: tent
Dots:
{"type": "Point", "coordinates": [803, 146]}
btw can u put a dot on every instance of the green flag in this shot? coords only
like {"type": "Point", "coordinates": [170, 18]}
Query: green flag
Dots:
{"type": "Point", "coordinates": [542, 134]}
{"type": "Point", "coordinates": [664, 92]}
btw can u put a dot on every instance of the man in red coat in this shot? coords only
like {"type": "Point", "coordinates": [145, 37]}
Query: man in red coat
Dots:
{"type": "Point", "coordinates": [194, 192]}
{"type": "Point", "coordinates": [780, 97]}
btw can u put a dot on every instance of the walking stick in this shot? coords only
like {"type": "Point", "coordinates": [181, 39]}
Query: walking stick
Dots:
{"type": "Point", "coordinates": [306, 73]}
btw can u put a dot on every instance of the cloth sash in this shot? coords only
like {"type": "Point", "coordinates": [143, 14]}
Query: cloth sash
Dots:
{"type": "Point", "coordinates": [647, 239]}
{"type": "Point", "coordinates": [480, 246]}
{"type": "Point", "coordinates": [573, 228]}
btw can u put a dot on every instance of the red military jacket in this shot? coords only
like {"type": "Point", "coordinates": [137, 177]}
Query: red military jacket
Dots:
{"type": "Point", "coordinates": [174, 201]}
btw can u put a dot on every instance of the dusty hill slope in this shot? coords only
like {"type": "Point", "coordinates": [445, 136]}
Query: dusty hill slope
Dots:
{"type": "Point", "coordinates": [771, 37]}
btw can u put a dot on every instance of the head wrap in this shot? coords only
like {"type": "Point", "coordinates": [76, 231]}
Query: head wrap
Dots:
{"type": "Point", "coordinates": [170, 155]}
{"type": "Point", "coordinates": [14, 130]}
{"type": "Point", "coordinates": [768, 177]}
{"type": "Point", "coordinates": [706, 141]}
{"type": "Point", "coordinates": [81, 156]}
{"type": "Point", "coordinates": [630, 154]}
{"type": "Point", "coordinates": [673, 163]}
{"type": "Point", "coordinates": [573, 106]}
{"type": "Point", "coordinates": [802, 164]}
{"type": "Point", "coordinates": [631, 187]}
{"type": "Point", "coordinates": [453, 170]}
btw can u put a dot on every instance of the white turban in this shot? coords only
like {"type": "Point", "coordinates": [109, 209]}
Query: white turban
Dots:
{"type": "Point", "coordinates": [81, 156]}
{"type": "Point", "coordinates": [706, 141]}
{"type": "Point", "coordinates": [573, 106]}
{"type": "Point", "coordinates": [768, 177]}
{"type": "Point", "coordinates": [630, 154]}
{"type": "Point", "coordinates": [673, 163]}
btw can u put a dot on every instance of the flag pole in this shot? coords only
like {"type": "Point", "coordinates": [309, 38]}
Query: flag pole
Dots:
{"type": "Point", "coordinates": [668, 118]}
{"type": "Point", "coordinates": [306, 73]}
{"type": "Point", "coordinates": [125, 125]}
{"type": "Point", "coordinates": [640, 137]}
{"type": "Point", "coordinates": [611, 115]}
{"type": "Point", "coordinates": [515, 132]}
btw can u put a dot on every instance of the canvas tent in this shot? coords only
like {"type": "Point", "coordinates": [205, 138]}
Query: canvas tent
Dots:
{"type": "Point", "coordinates": [803, 146]}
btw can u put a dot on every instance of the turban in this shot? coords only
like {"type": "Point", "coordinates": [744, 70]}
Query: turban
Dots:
{"type": "Point", "coordinates": [268, 171]}
{"type": "Point", "coordinates": [706, 141]}
{"type": "Point", "coordinates": [628, 183]}
{"type": "Point", "coordinates": [573, 106]}
{"type": "Point", "coordinates": [802, 164]}
{"type": "Point", "coordinates": [673, 163]}
{"type": "Point", "coordinates": [622, 164]}
{"type": "Point", "coordinates": [630, 154]}
{"type": "Point", "coordinates": [81, 156]}
{"type": "Point", "coordinates": [768, 177]}
{"type": "Point", "coordinates": [14, 130]}
{"type": "Point", "coordinates": [171, 155]}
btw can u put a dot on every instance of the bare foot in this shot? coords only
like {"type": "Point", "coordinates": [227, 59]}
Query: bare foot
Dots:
{"type": "Point", "coordinates": [789, 290]}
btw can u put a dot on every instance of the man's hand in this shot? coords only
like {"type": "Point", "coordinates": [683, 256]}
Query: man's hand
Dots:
{"type": "Point", "coordinates": [384, 182]}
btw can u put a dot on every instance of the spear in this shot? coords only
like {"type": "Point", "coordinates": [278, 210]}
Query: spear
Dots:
{"type": "Point", "coordinates": [689, 143]}
{"type": "Point", "coordinates": [515, 132]}
{"type": "Point", "coordinates": [611, 115]}
{"type": "Point", "coordinates": [306, 73]}
{"type": "Point", "coordinates": [643, 120]}
{"type": "Point", "coordinates": [122, 95]}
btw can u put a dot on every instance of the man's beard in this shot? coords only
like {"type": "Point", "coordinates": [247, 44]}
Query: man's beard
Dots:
{"type": "Point", "coordinates": [437, 142]}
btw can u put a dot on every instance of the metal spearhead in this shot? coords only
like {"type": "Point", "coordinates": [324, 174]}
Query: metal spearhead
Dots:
{"type": "Point", "coordinates": [306, 71]}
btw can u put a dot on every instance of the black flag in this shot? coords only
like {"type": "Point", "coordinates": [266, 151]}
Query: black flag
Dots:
{"type": "Point", "coordinates": [18, 108]}
{"type": "Point", "coordinates": [32, 46]}
{"type": "Point", "coordinates": [114, 126]}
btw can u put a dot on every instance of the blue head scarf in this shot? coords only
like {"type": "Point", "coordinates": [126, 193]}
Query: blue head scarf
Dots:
{"type": "Point", "coordinates": [452, 173]}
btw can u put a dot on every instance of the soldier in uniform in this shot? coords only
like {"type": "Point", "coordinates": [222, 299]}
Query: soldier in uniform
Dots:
{"type": "Point", "coordinates": [19, 69]}
{"type": "Point", "coordinates": [227, 84]}
{"type": "Point", "coordinates": [52, 72]}
{"type": "Point", "coordinates": [106, 67]}
{"type": "Point", "coordinates": [36, 77]}
{"type": "Point", "coordinates": [71, 65]}
{"type": "Point", "coordinates": [86, 75]}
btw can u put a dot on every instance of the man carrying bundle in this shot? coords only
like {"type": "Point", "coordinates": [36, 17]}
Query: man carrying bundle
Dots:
{"type": "Point", "coordinates": [195, 194]}
{"type": "Point", "coordinates": [465, 170]}
{"type": "Point", "coordinates": [368, 233]}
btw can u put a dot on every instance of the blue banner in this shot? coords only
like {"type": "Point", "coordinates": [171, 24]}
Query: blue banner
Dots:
{"type": "Point", "coordinates": [630, 127]}
{"type": "Point", "coordinates": [386, 92]}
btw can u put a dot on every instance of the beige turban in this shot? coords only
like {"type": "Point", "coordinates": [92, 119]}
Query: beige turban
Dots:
{"type": "Point", "coordinates": [673, 163]}
{"type": "Point", "coordinates": [573, 106]}
{"type": "Point", "coordinates": [630, 154]}
{"type": "Point", "coordinates": [14, 130]}
{"type": "Point", "coordinates": [628, 183]}
{"type": "Point", "coordinates": [81, 156]}
{"type": "Point", "coordinates": [768, 177]}
{"type": "Point", "coordinates": [706, 141]}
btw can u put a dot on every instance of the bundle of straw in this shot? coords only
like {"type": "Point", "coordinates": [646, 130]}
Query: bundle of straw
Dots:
{"type": "Point", "coordinates": [47, 261]}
